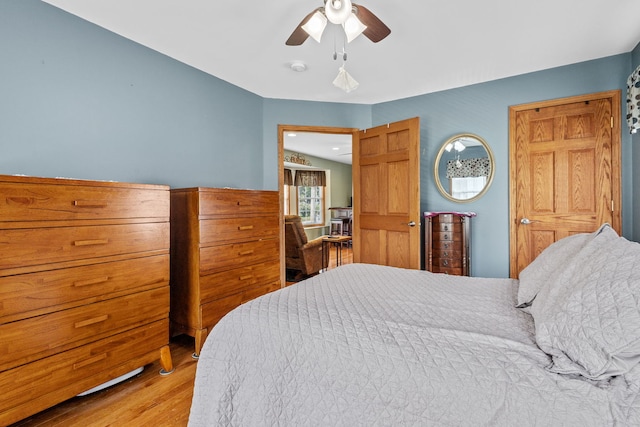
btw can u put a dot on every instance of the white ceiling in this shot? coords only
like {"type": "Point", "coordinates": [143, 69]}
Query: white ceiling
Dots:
{"type": "Point", "coordinates": [433, 46]}
{"type": "Point", "coordinates": [334, 147]}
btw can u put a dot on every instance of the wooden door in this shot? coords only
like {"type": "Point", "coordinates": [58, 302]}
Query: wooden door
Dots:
{"type": "Point", "coordinates": [564, 171]}
{"type": "Point", "coordinates": [386, 189]}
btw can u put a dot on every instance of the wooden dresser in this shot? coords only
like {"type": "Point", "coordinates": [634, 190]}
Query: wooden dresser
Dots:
{"type": "Point", "coordinates": [84, 287]}
{"type": "Point", "coordinates": [447, 241]}
{"type": "Point", "coordinates": [225, 250]}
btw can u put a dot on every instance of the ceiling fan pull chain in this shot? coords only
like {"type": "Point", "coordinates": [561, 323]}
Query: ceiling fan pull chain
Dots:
{"type": "Point", "coordinates": [344, 51]}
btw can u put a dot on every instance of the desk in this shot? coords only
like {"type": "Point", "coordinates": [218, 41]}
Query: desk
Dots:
{"type": "Point", "coordinates": [337, 241]}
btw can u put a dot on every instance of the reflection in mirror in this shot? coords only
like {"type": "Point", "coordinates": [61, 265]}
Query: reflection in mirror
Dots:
{"type": "Point", "coordinates": [464, 168]}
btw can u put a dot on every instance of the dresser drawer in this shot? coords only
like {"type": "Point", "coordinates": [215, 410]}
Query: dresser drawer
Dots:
{"type": "Point", "coordinates": [445, 218]}
{"type": "Point", "coordinates": [447, 262]}
{"type": "Point", "coordinates": [37, 246]}
{"type": "Point", "coordinates": [441, 236]}
{"type": "Point", "coordinates": [33, 294]}
{"type": "Point", "coordinates": [37, 337]}
{"type": "Point", "coordinates": [448, 270]}
{"type": "Point", "coordinates": [455, 227]}
{"type": "Point", "coordinates": [254, 293]}
{"type": "Point", "coordinates": [51, 202]}
{"type": "Point", "coordinates": [218, 231]}
{"type": "Point", "coordinates": [447, 245]}
{"type": "Point", "coordinates": [216, 286]}
{"type": "Point", "coordinates": [30, 388]}
{"type": "Point", "coordinates": [447, 254]}
{"type": "Point", "coordinates": [234, 202]}
{"type": "Point", "coordinates": [212, 312]}
{"type": "Point", "coordinates": [214, 259]}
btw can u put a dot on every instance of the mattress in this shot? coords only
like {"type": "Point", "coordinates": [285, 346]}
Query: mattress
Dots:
{"type": "Point", "coordinates": [372, 345]}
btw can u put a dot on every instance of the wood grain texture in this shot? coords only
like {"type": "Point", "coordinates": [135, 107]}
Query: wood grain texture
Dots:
{"type": "Point", "coordinates": [564, 171]}
{"type": "Point", "coordinates": [148, 399]}
{"type": "Point", "coordinates": [386, 184]}
{"type": "Point", "coordinates": [84, 287]}
{"type": "Point", "coordinates": [447, 242]}
{"type": "Point", "coordinates": [216, 234]}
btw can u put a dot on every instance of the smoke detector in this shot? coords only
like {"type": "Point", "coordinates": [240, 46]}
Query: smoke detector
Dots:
{"type": "Point", "coordinates": [298, 66]}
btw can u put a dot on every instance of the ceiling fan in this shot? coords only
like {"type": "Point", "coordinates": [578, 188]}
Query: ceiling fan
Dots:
{"type": "Point", "coordinates": [355, 19]}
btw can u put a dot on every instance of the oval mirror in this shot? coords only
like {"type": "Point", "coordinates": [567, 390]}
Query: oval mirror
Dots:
{"type": "Point", "coordinates": [464, 168]}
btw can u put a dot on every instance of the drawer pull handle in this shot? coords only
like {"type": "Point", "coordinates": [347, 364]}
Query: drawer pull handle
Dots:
{"type": "Point", "coordinates": [250, 276]}
{"type": "Point", "coordinates": [445, 262]}
{"type": "Point", "coordinates": [91, 242]}
{"type": "Point", "coordinates": [446, 245]}
{"type": "Point", "coordinates": [89, 361]}
{"type": "Point", "coordinates": [445, 254]}
{"type": "Point", "coordinates": [245, 253]}
{"type": "Point", "coordinates": [89, 204]}
{"type": "Point", "coordinates": [89, 282]}
{"type": "Point", "coordinates": [91, 321]}
{"type": "Point", "coordinates": [245, 227]}
{"type": "Point", "coordinates": [446, 228]}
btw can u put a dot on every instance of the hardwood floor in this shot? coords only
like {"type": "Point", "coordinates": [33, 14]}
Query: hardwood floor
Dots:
{"type": "Point", "coordinates": [148, 399]}
{"type": "Point", "coordinates": [347, 256]}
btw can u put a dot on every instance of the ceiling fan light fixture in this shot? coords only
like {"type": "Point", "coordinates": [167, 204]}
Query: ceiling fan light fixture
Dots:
{"type": "Point", "coordinates": [344, 81]}
{"type": "Point", "coordinates": [353, 27]}
{"type": "Point", "coordinates": [337, 11]}
{"type": "Point", "coordinates": [315, 25]}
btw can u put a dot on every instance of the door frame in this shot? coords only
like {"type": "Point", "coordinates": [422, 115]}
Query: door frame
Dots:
{"type": "Point", "coordinates": [616, 161]}
{"type": "Point", "coordinates": [282, 129]}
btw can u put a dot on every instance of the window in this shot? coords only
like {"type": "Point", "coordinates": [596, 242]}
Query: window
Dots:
{"type": "Point", "coordinates": [466, 188]}
{"type": "Point", "coordinates": [311, 205]}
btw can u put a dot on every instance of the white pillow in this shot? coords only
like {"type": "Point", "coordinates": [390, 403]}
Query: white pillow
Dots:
{"type": "Point", "coordinates": [588, 319]}
{"type": "Point", "coordinates": [549, 264]}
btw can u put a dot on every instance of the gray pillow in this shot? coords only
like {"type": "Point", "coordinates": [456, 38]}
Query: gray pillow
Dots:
{"type": "Point", "coordinates": [588, 318]}
{"type": "Point", "coordinates": [549, 264]}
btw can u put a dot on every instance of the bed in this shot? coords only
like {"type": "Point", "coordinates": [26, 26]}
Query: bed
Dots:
{"type": "Point", "coordinates": [366, 345]}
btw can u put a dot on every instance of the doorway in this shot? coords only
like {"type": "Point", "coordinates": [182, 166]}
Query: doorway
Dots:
{"type": "Point", "coordinates": [283, 131]}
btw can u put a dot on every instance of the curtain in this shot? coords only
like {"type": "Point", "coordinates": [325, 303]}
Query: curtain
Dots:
{"type": "Point", "coordinates": [288, 177]}
{"type": "Point", "coordinates": [633, 101]}
{"type": "Point", "coordinates": [466, 168]}
{"type": "Point", "coordinates": [310, 179]}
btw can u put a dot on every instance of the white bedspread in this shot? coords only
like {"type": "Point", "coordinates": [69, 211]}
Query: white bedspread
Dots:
{"type": "Point", "coordinates": [365, 345]}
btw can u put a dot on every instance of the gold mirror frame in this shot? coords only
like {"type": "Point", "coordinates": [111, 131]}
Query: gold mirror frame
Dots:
{"type": "Point", "coordinates": [441, 157]}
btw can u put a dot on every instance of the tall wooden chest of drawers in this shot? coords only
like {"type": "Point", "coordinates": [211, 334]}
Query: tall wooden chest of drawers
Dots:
{"type": "Point", "coordinates": [84, 287]}
{"type": "Point", "coordinates": [447, 241]}
{"type": "Point", "coordinates": [225, 250]}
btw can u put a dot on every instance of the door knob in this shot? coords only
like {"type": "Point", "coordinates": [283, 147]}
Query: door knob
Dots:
{"type": "Point", "coordinates": [525, 221]}
{"type": "Point", "coordinates": [412, 224]}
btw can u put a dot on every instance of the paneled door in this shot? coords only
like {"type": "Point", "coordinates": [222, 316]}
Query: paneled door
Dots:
{"type": "Point", "coordinates": [564, 171]}
{"type": "Point", "coordinates": [386, 183]}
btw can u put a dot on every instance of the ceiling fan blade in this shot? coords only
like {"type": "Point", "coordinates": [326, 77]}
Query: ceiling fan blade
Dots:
{"type": "Point", "coordinates": [299, 35]}
{"type": "Point", "coordinates": [376, 29]}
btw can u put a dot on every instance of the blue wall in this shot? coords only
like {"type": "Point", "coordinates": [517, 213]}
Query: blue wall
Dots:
{"type": "Point", "coordinates": [79, 101]}
{"type": "Point", "coordinates": [483, 109]}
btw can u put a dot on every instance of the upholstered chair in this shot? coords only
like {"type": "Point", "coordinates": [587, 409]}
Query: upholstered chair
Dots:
{"type": "Point", "coordinates": [303, 257]}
